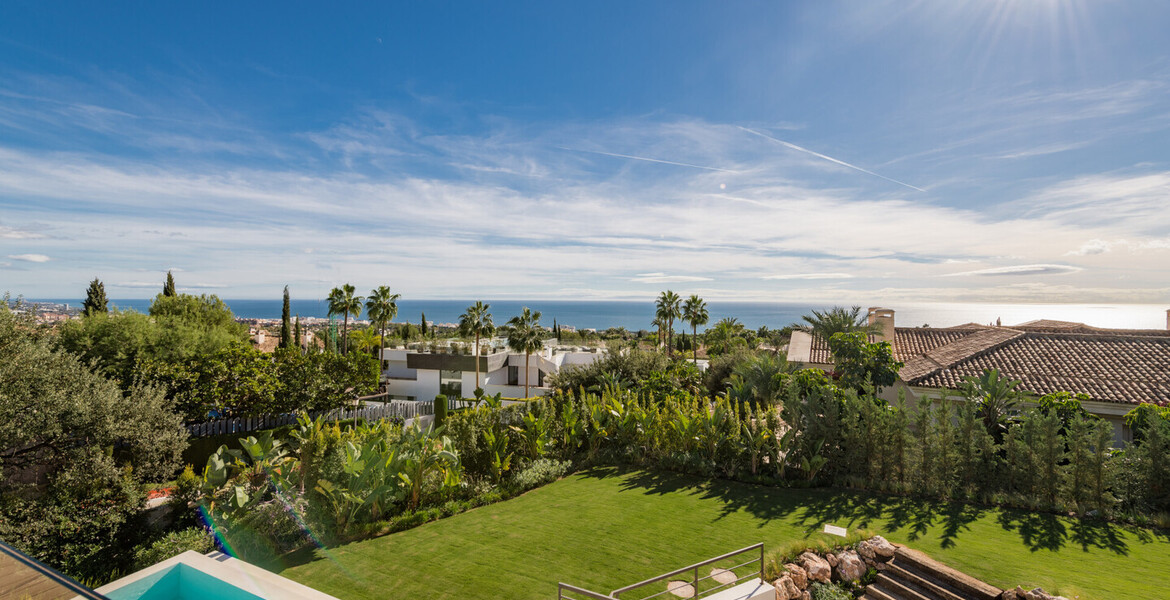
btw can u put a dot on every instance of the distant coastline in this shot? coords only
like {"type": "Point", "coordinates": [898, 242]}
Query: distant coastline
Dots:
{"type": "Point", "coordinates": [635, 315]}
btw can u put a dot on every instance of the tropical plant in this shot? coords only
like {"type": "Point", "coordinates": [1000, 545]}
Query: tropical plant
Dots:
{"type": "Point", "coordinates": [497, 447]}
{"type": "Point", "coordinates": [367, 340]}
{"type": "Point", "coordinates": [667, 309]}
{"type": "Point", "coordinates": [724, 337]}
{"type": "Point", "coordinates": [695, 313]}
{"type": "Point", "coordinates": [425, 452]}
{"type": "Point", "coordinates": [381, 308]}
{"type": "Point", "coordinates": [837, 320]}
{"type": "Point", "coordinates": [342, 301]}
{"type": "Point", "coordinates": [476, 322]}
{"type": "Point", "coordinates": [524, 336]}
{"type": "Point", "coordinates": [534, 432]}
{"type": "Point", "coordinates": [996, 398]}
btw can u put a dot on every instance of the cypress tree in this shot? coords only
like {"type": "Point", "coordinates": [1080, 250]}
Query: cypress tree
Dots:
{"type": "Point", "coordinates": [169, 286]}
{"type": "Point", "coordinates": [557, 330]}
{"type": "Point", "coordinates": [423, 326]}
{"type": "Point", "coordinates": [95, 299]}
{"type": "Point", "coordinates": [297, 333]}
{"type": "Point", "coordinates": [285, 318]}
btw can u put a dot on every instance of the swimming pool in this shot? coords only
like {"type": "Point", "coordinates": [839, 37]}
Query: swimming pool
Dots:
{"type": "Point", "coordinates": [180, 582]}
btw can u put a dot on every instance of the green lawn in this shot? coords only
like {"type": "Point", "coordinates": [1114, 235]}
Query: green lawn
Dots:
{"type": "Point", "coordinates": [607, 528]}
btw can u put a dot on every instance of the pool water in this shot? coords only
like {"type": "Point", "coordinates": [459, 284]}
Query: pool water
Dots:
{"type": "Point", "coordinates": [180, 582]}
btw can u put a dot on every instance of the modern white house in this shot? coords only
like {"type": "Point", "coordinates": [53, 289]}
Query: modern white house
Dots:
{"type": "Point", "coordinates": [423, 374]}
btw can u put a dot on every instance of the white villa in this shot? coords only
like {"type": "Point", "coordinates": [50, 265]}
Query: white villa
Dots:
{"type": "Point", "coordinates": [418, 374]}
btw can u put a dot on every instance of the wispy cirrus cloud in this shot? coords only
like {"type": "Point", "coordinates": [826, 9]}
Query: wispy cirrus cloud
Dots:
{"type": "Point", "coordinates": [664, 278]}
{"type": "Point", "coordinates": [33, 258]}
{"type": "Point", "coordinates": [1018, 270]}
{"type": "Point", "coordinates": [808, 276]}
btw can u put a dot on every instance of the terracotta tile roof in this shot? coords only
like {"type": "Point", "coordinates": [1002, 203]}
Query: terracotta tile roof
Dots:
{"type": "Point", "coordinates": [908, 341]}
{"type": "Point", "coordinates": [1109, 365]}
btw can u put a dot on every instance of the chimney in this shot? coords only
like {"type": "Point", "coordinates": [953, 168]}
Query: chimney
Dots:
{"type": "Point", "coordinates": [884, 319]}
{"type": "Point", "coordinates": [1168, 319]}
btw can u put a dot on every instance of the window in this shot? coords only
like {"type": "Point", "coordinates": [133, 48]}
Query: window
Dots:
{"type": "Point", "coordinates": [451, 383]}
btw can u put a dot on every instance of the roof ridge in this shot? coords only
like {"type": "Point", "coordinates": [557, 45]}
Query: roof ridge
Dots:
{"type": "Point", "coordinates": [949, 355]}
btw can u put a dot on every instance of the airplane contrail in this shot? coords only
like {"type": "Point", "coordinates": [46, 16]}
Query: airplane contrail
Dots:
{"type": "Point", "coordinates": [829, 158]}
{"type": "Point", "coordinates": [653, 160]}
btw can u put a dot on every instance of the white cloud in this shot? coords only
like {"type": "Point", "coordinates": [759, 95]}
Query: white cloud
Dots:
{"type": "Point", "coordinates": [13, 233]}
{"type": "Point", "coordinates": [664, 278]}
{"type": "Point", "coordinates": [1019, 270]}
{"type": "Point", "coordinates": [36, 258]}
{"type": "Point", "coordinates": [809, 276]}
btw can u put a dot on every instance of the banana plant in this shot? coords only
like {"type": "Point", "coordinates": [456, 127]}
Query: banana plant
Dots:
{"type": "Point", "coordinates": [498, 448]}
{"type": "Point", "coordinates": [424, 452]}
{"type": "Point", "coordinates": [597, 431]}
{"type": "Point", "coordinates": [534, 432]}
{"type": "Point", "coordinates": [572, 428]}
{"type": "Point", "coordinates": [369, 482]}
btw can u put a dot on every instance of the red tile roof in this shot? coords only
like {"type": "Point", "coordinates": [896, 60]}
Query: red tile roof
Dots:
{"type": "Point", "coordinates": [1111, 365]}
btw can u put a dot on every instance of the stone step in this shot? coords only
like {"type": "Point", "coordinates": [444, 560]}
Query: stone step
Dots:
{"type": "Point", "coordinates": [935, 590]}
{"type": "Point", "coordinates": [875, 592]}
{"type": "Point", "coordinates": [967, 587]}
{"type": "Point", "coordinates": [900, 589]}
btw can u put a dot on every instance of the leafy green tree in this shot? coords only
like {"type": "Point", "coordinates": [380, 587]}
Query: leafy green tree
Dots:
{"type": "Point", "coordinates": [382, 307]}
{"type": "Point", "coordinates": [286, 334]}
{"type": "Point", "coordinates": [169, 286]}
{"type": "Point", "coordinates": [422, 325]}
{"type": "Point", "coordinates": [178, 328]}
{"type": "Point", "coordinates": [861, 363]}
{"type": "Point", "coordinates": [837, 320]}
{"type": "Point", "coordinates": [95, 299]}
{"type": "Point", "coordinates": [525, 337]}
{"type": "Point", "coordinates": [695, 313]}
{"type": "Point", "coordinates": [667, 309]}
{"type": "Point", "coordinates": [342, 301]}
{"type": "Point", "coordinates": [65, 498]}
{"type": "Point", "coordinates": [476, 322]}
{"type": "Point", "coordinates": [297, 333]}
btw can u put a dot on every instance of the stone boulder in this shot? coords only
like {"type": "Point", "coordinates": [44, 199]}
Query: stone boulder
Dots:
{"type": "Point", "coordinates": [882, 549]}
{"type": "Point", "coordinates": [817, 568]}
{"type": "Point", "coordinates": [865, 549]}
{"type": "Point", "coordinates": [798, 574]}
{"type": "Point", "coordinates": [849, 566]}
{"type": "Point", "coordinates": [831, 559]}
{"type": "Point", "coordinates": [786, 589]}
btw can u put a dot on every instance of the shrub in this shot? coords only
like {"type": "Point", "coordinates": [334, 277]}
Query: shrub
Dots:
{"type": "Point", "coordinates": [174, 544]}
{"type": "Point", "coordinates": [539, 473]}
{"type": "Point", "coordinates": [828, 591]}
{"type": "Point", "coordinates": [440, 410]}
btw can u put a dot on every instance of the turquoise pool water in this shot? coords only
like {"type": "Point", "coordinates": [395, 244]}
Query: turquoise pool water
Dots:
{"type": "Point", "coordinates": [180, 582]}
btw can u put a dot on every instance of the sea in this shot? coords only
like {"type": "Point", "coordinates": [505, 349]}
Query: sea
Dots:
{"type": "Point", "coordinates": [636, 315]}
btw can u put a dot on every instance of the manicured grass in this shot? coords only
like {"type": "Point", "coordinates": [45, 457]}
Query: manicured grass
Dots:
{"type": "Point", "coordinates": [607, 528]}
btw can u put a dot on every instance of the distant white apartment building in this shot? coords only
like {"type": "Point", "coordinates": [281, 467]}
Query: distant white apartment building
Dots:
{"type": "Point", "coordinates": [422, 375]}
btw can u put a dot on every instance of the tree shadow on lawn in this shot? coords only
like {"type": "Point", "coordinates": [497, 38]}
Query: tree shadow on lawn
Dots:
{"type": "Point", "coordinates": [812, 508]}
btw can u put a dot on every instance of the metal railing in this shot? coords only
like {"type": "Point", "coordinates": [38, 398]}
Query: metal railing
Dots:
{"type": "Point", "coordinates": [569, 592]}
{"type": "Point", "coordinates": [695, 579]}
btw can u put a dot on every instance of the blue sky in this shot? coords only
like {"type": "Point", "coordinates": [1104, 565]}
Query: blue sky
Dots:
{"type": "Point", "coordinates": [1009, 151]}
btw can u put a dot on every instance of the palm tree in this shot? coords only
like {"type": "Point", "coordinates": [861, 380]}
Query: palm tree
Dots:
{"type": "Point", "coordinates": [722, 337]}
{"type": "Point", "coordinates": [366, 339]}
{"type": "Point", "coordinates": [381, 308]}
{"type": "Point", "coordinates": [342, 301]}
{"type": "Point", "coordinates": [525, 337]}
{"type": "Point", "coordinates": [695, 313]}
{"type": "Point", "coordinates": [837, 320]}
{"type": "Point", "coordinates": [477, 321]}
{"type": "Point", "coordinates": [668, 310]}
{"type": "Point", "coordinates": [996, 398]}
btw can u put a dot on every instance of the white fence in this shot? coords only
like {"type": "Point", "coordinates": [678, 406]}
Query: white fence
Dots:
{"type": "Point", "coordinates": [371, 412]}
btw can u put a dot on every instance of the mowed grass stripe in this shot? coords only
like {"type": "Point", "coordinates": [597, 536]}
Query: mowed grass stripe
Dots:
{"type": "Point", "coordinates": [608, 528]}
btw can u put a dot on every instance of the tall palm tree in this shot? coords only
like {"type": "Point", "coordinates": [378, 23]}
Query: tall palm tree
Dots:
{"type": "Point", "coordinates": [668, 309]}
{"type": "Point", "coordinates": [381, 308]}
{"type": "Point", "coordinates": [837, 320]}
{"type": "Point", "coordinates": [342, 301]}
{"type": "Point", "coordinates": [695, 313]}
{"type": "Point", "coordinates": [525, 337]}
{"type": "Point", "coordinates": [477, 321]}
